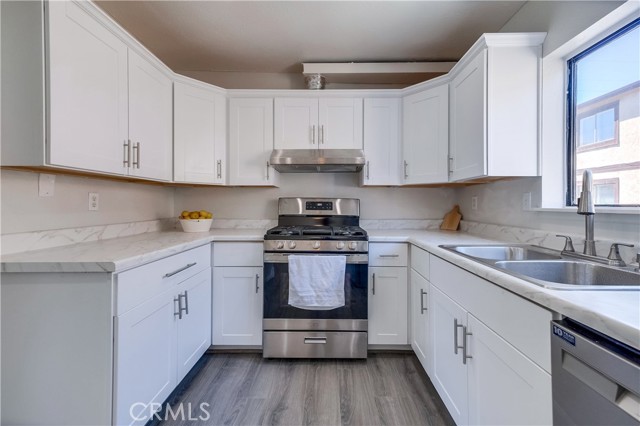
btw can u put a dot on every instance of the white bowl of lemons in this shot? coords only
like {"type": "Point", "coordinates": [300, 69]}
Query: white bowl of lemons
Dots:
{"type": "Point", "coordinates": [196, 221]}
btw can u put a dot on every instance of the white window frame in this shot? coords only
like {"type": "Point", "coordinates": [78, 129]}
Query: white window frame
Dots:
{"type": "Point", "coordinates": [553, 151]}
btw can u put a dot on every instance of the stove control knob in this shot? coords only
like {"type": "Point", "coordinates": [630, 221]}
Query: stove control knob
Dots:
{"type": "Point", "coordinates": [316, 245]}
{"type": "Point", "coordinates": [353, 245]}
{"type": "Point", "coordinates": [292, 244]}
{"type": "Point", "coordinates": [340, 245]}
{"type": "Point", "coordinates": [280, 244]}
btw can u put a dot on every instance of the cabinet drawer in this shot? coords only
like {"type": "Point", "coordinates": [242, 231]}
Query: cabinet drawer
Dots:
{"type": "Point", "coordinates": [387, 254]}
{"type": "Point", "coordinates": [420, 261]}
{"type": "Point", "coordinates": [140, 284]}
{"type": "Point", "coordinates": [520, 322]}
{"type": "Point", "coordinates": [237, 254]}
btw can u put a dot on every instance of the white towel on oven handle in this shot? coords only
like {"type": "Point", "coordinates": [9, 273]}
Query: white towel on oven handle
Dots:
{"type": "Point", "coordinates": [316, 282]}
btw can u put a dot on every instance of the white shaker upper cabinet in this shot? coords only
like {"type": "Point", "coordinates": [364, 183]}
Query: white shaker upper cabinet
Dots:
{"type": "Point", "coordinates": [340, 121]}
{"type": "Point", "coordinates": [200, 145]}
{"type": "Point", "coordinates": [251, 142]}
{"type": "Point", "coordinates": [150, 120]}
{"type": "Point", "coordinates": [87, 91]}
{"type": "Point", "coordinates": [494, 99]}
{"type": "Point", "coordinates": [325, 123]}
{"type": "Point", "coordinates": [295, 123]}
{"type": "Point", "coordinates": [381, 142]}
{"type": "Point", "coordinates": [426, 136]}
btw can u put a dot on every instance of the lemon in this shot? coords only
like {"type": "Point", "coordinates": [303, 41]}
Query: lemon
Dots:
{"type": "Point", "coordinates": [194, 215]}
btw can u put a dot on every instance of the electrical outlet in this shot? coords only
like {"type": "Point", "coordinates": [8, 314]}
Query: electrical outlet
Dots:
{"type": "Point", "coordinates": [474, 203]}
{"type": "Point", "coordinates": [94, 201]}
{"type": "Point", "coordinates": [46, 185]}
{"type": "Point", "coordinates": [526, 201]}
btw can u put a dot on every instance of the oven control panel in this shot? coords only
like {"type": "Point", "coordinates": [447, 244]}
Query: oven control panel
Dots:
{"type": "Point", "coordinates": [327, 246]}
{"type": "Point", "coordinates": [319, 205]}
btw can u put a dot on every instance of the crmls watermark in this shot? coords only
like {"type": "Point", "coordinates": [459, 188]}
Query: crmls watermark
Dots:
{"type": "Point", "coordinates": [141, 411]}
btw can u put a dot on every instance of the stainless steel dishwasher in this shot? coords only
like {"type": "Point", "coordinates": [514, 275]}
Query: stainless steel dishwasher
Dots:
{"type": "Point", "coordinates": [595, 379]}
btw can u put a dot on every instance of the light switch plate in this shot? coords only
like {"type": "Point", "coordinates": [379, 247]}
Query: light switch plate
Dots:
{"type": "Point", "coordinates": [46, 185]}
{"type": "Point", "coordinates": [474, 203]}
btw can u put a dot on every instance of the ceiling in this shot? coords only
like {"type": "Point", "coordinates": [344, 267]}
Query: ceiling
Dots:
{"type": "Point", "coordinates": [274, 37]}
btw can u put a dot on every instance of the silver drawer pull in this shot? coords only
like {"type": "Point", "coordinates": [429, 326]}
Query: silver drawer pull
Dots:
{"type": "Point", "coordinates": [422, 308]}
{"type": "Point", "coordinates": [315, 340]}
{"type": "Point", "coordinates": [389, 255]}
{"type": "Point", "coordinates": [177, 271]}
{"type": "Point", "coordinates": [179, 300]}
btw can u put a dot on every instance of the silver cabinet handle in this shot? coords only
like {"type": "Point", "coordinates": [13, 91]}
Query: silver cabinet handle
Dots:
{"type": "Point", "coordinates": [322, 134]}
{"type": "Point", "coordinates": [388, 255]}
{"type": "Point", "coordinates": [465, 357]}
{"type": "Point", "coordinates": [257, 283]}
{"type": "Point", "coordinates": [177, 271]}
{"type": "Point", "coordinates": [367, 170]}
{"type": "Point", "coordinates": [450, 165]}
{"type": "Point", "coordinates": [405, 169]}
{"type": "Point", "coordinates": [455, 336]}
{"type": "Point", "coordinates": [186, 302]}
{"type": "Point", "coordinates": [373, 284]}
{"type": "Point", "coordinates": [313, 134]}
{"type": "Point", "coordinates": [179, 300]}
{"type": "Point", "coordinates": [315, 340]}
{"type": "Point", "coordinates": [136, 155]}
{"type": "Point", "coordinates": [219, 169]}
{"type": "Point", "coordinates": [126, 155]}
{"type": "Point", "coordinates": [422, 295]}
{"type": "Point", "coordinates": [268, 165]}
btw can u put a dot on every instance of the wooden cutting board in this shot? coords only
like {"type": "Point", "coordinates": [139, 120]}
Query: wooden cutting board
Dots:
{"type": "Point", "coordinates": [451, 220]}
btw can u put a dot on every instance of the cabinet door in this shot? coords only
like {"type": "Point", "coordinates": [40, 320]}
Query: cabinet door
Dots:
{"type": "Point", "coordinates": [449, 373]}
{"type": "Point", "coordinates": [388, 306]}
{"type": "Point", "coordinates": [381, 142]}
{"type": "Point", "coordinates": [340, 123]}
{"type": "Point", "coordinates": [419, 297]}
{"type": "Point", "coordinates": [194, 328]}
{"type": "Point", "coordinates": [296, 123]}
{"type": "Point", "coordinates": [200, 136]}
{"type": "Point", "coordinates": [468, 141]}
{"type": "Point", "coordinates": [87, 91]}
{"type": "Point", "coordinates": [237, 306]}
{"type": "Point", "coordinates": [145, 358]}
{"type": "Point", "coordinates": [426, 136]}
{"type": "Point", "coordinates": [251, 142]}
{"type": "Point", "coordinates": [505, 387]}
{"type": "Point", "coordinates": [150, 119]}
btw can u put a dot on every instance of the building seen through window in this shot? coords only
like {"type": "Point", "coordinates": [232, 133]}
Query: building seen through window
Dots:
{"type": "Point", "coordinates": [604, 119]}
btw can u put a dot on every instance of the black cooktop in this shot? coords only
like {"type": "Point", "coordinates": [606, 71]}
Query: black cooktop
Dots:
{"type": "Point", "coordinates": [300, 232]}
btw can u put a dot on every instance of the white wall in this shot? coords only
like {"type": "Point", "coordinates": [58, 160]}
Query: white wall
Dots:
{"type": "Point", "coordinates": [261, 203]}
{"type": "Point", "coordinates": [500, 203]}
{"type": "Point", "coordinates": [22, 210]}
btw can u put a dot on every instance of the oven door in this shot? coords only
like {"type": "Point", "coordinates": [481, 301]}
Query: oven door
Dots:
{"type": "Point", "coordinates": [279, 315]}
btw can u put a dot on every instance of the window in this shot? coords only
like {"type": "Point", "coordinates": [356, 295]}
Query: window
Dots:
{"type": "Point", "coordinates": [603, 111]}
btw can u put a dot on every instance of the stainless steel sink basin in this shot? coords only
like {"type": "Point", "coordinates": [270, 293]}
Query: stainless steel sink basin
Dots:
{"type": "Point", "coordinates": [573, 273]}
{"type": "Point", "coordinates": [548, 268]}
{"type": "Point", "coordinates": [507, 252]}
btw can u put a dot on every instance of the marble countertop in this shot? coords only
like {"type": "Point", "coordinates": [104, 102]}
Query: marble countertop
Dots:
{"type": "Point", "coordinates": [615, 313]}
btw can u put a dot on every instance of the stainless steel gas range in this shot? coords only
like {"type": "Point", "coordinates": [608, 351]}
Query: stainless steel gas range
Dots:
{"type": "Point", "coordinates": [315, 227]}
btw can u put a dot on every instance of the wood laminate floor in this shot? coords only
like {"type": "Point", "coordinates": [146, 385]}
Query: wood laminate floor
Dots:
{"type": "Point", "coordinates": [245, 389]}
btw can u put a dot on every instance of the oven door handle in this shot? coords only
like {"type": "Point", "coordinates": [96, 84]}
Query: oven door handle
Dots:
{"type": "Point", "coordinates": [361, 259]}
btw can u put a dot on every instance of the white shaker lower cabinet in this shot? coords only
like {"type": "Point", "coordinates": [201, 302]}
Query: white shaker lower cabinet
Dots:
{"type": "Point", "coordinates": [160, 338]}
{"type": "Point", "coordinates": [388, 310]}
{"type": "Point", "coordinates": [490, 366]}
{"type": "Point", "coordinates": [237, 294]}
{"type": "Point", "coordinates": [419, 297]}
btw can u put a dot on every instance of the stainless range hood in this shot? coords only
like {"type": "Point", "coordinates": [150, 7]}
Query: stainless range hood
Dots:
{"type": "Point", "coordinates": [317, 160]}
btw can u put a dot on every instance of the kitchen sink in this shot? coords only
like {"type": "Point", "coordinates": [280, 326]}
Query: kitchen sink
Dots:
{"type": "Point", "coordinates": [549, 268]}
{"type": "Point", "coordinates": [573, 273]}
{"type": "Point", "coordinates": [507, 252]}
